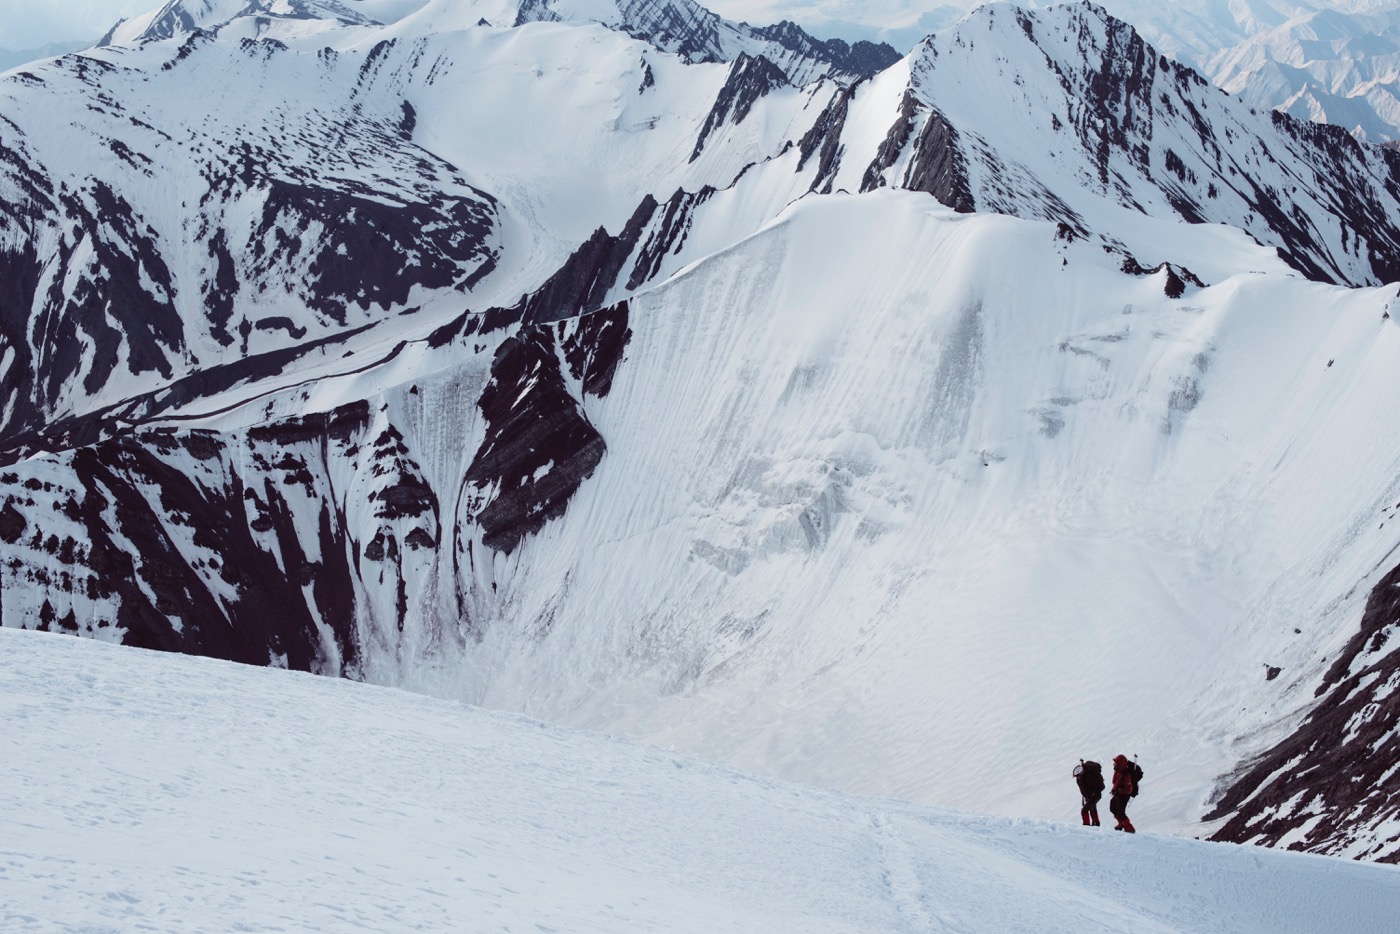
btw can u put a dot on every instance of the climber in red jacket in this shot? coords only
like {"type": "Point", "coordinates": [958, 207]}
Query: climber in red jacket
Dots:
{"type": "Point", "coordinates": [1125, 786]}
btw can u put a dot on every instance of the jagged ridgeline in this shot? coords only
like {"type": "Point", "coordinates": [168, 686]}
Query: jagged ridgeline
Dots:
{"type": "Point", "coordinates": [633, 367]}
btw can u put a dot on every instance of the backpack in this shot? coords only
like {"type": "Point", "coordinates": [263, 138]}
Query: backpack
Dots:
{"type": "Point", "coordinates": [1089, 777]}
{"type": "Point", "coordinates": [1136, 771]}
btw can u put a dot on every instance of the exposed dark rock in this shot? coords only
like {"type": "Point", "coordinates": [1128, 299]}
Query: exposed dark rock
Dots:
{"type": "Point", "coordinates": [594, 348]}
{"type": "Point", "coordinates": [824, 138]}
{"type": "Point", "coordinates": [1333, 781]}
{"type": "Point", "coordinates": [895, 141]}
{"type": "Point", "coordinates": [860, 60]}
{"type": "Point", "coordinates": [938, 167]}
{"type": "Point", "coordinates": [1177, 276]}
{"type": "Point", "coordinates": [689, 30]}
{"type": "Point", "coordinates": [163, 602]}
{"type": "Point", "coordinates": [750, 79]}
{"type": "Point", "coordinates": [12, 524]}
{"type": "Point", "coordinates": [360, 257]}
{"type": "Point", "coordinates": [113, 421]}
{"type": "Point", "coordinates": [539, 446]}
{"type": "Point", "coordinates": [667, 235]}
{"type": "Point", "coordinates": [583, 282]}
{"type": "Point", "coordinates": [405, 494]}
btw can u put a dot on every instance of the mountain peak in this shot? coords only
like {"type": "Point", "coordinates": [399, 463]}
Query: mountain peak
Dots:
{"type": "Point", "coordinates": [181, 17]}
{"type": "Point", "coordinates": [696, 34]}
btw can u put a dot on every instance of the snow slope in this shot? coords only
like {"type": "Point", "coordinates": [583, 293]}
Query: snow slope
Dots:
{"type": "Point", "coordinates": [858, 490]}
{"type": "Point", "coordinates": [170, 793]}
{"type": "Point", "coordinates": [888, 499]}
{"type": "Point", "coordinates": [897, 518]}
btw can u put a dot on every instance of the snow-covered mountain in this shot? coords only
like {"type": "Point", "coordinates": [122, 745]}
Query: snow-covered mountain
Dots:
{"type": "Point", "coordinates": [1328, 62]}
{"type": "Point", "coordinates": [146, 805]}
{"type": "Point", "coordinates": [682, 27]}
{"type": "Point", "coordinates": [884, 433]}
{"type": "Point", "coordinates": [1324, 66]}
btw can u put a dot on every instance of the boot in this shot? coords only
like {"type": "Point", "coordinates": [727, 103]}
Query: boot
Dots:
{"type": "Point", "coordinates": [1128, 826]}
{"type": "Point", "coordinates": [1084, 814]}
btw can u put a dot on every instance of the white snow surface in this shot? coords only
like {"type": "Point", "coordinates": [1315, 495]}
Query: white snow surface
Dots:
{"type": "Point", "coordinates": [169, 793]}
{"type": "Point", "coordinates": [898, 499]}
{"type": "Point", "coordinates": [895, 499]}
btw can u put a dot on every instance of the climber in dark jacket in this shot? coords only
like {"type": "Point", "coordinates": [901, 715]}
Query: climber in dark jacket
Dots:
{"type": "Point", "coordinates": [1124, 787]}
{"type": "Point", "coordinates": [1089, 777]}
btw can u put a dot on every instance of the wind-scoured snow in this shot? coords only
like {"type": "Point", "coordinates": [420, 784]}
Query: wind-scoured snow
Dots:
{"type": "Point", "coordinates": [166, 793]}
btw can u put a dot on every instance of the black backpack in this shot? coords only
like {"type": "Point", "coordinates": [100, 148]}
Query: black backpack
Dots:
{"type": "Point", "coordinates": [1137, 777]}
{"type": "Point", "coordinates": [1089, 777]}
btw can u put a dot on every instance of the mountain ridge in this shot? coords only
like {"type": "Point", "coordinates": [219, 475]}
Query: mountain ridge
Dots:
{"type": "Point", "coordinates": [708, 405]}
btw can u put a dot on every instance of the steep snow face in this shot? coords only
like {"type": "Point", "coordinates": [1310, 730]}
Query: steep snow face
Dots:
{"type": "Point", "coordinates": [522, 364]}
{"type": "Point", "coordinates": [932, 508]}
{"type": "Point", "coordinates": [1067, 114]}
{"type": "Point", "coordinates": [883, 498]}
{"type": "Point", "coordinates": [395, 811]}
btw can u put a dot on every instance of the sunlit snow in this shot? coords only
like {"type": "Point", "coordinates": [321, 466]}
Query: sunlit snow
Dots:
{"type": "Point", "coordinates": [167, 793]}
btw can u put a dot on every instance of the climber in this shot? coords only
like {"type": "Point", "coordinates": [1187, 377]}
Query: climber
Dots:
{"type": "Point", "coordinates": [1126, 776]}
{"type": "Point", "coordinates": [1089, 777]}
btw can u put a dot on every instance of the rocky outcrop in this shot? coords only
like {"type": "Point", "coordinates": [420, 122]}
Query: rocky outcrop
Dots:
{"type": "Point", "coordinates": [749, 80]}
{"type": "Point", "coordinates": [1333, 785]}
{"type": "Point", "coordinates": [539, 445]}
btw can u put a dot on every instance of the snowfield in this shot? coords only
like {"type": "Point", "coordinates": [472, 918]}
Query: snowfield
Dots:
{"type": "Point", "coordinates": [169, 793]}
{"type": "Point", "coordinates": [886, 436]}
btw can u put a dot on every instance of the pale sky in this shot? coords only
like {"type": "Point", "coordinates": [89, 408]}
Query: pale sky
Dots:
{"type": "Point", "coordinates": [29, 24]}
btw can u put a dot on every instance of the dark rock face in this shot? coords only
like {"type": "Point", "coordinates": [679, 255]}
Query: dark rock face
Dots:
{"type": "Point", "coordinates": [368, 252]}
{"type": "Point", "coordinates": [594, 349]}
{"type": "Point", "coordinates": [858, 61]}
{"type": "Point", "coordinates": [666, 234]}
{"type": "Point", "coordinates": [539, 445]}
{"type": "Point", "coordinates": [239, 546]}
{"type": "Point", "coordinates": [1177, 277]}
{"type": "Point", "coordinates": [119, 263]}
{"type": "Point", "coordinates": [749, 80]}
{"type": "Point", "coordinates": [824, 141]}
{"type": "Point", "coordinates": [1116, 84]}
{"type": "Point", "coordinates": [582, 284]}
{"type": "Point", "coordinates": [938, 166]}
{"type": "Point", "coordinates": [893, 146]}
{"type": "Point", "coordinates": [696, 34]}
{"type": "Point", "coordinates": [205, 560]}
{"type": "Point", "coordinates": [1333, 785]}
